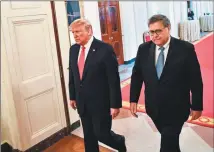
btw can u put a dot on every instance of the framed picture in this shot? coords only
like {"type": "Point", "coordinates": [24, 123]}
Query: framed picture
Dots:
{"type": "Point", "coordinates": [73, 11]}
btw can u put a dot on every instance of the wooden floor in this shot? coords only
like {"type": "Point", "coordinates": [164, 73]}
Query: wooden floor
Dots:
{"type": "Point", "coordinates": [71, 143]}
{"type": "Point", "coordinates": [74, 143]}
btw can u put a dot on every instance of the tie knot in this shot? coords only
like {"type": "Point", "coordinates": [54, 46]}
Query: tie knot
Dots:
{"type": "Point", "coordinates": [83, 48]}
{"type": "Point", "coordinates": [161, 49]}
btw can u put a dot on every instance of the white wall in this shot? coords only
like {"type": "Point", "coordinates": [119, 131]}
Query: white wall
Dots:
{"type": "Point", "coordinates": [183, 10]}
{"type": "Point", "coordinates": [91, 12]}
{"type": "Point", "coordinates": [178, 16]}
{"type": "Point", "coordinates": [204, 6]}
{"type": "Point", "coordinates": [152, 8]}
{"type": "Point", "coordinates": [128, 29]}
{"type": "Point", "coordinates": [211, 3]}
{"type": "Point", "coordinates": [195, 9]}
{"type": "Point", "coordinates": [199, 9]}
{"type": "Point", "coordinates": [63, 32]}
{"type": "Point", "coordinates": [141, 21]}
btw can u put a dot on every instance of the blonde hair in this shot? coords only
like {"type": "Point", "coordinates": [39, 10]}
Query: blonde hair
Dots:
{"type": "Point", "coordinates": [82, 22]}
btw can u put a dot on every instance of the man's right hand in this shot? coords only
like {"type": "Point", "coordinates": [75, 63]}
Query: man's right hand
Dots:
{"type": "Point", "coordinates": [133, 109]}
{"type": "Point", "coordinates": [73, 104]}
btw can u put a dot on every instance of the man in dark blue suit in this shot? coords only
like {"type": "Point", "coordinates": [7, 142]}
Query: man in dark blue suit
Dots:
{"type": "Point", "coordinates": [94, 87]}
{"type": "Point", "coordinates": [170, 70]}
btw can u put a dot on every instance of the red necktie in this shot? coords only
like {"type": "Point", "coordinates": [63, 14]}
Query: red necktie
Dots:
{"type": "Point", "coordinates": [81, 61]}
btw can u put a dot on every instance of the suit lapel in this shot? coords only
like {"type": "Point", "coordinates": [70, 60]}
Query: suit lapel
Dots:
{"type": "Point", "coordinates": [88, 60]}
{"type": "Point", "coordinates": [152, 62]}
{"type": "Point", "coordinates": [168, 59]}
{"type": "Point", "coordinates": [76, 54]}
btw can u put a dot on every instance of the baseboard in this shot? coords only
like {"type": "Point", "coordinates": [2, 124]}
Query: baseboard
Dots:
{"type": "Point", "coordinates": [129, 61]}
{"type": "Point", "coordinates": [49, 141]}
{"type": "Point", "coordinates": [45, 143]}
{"type": "Point", "coordinates": [54, 138]}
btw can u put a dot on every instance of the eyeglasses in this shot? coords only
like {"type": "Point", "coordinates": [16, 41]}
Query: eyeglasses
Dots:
{"type": "Point", "coordinates": [158, 31]}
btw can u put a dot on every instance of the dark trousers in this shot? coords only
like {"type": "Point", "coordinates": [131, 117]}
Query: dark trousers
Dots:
{"type": "Point", "coordinates": [170, 132]}
{"type": "Point", "coordinates": [98, 128]}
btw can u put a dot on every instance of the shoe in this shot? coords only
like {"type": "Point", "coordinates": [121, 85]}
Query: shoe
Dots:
{"type": "Point", "coordinates": [123, 147]}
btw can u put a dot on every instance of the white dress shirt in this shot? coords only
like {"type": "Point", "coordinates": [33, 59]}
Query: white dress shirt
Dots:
{"type": "Point", "coordinates": [157, 51]}
{"type": "Point", "coordinates": [87, 47]}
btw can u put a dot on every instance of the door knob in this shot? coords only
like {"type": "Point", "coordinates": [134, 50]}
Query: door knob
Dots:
{"type": "Point", "coordinates": [111, 38]}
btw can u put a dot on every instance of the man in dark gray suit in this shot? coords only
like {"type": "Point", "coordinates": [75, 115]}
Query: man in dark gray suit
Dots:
{"type": "Point", "coordinates": [94, 87]}
{"type": "Point", "coordinates": [170, 70]}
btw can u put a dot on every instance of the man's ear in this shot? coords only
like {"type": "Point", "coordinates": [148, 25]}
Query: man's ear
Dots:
{"type": "Point", "coordinates": [90, 32]}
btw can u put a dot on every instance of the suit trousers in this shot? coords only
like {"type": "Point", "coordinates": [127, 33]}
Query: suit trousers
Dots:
{"type": "Point", "coordinates": [170, 133]}
{"type": "Point", "coordinates": [98, 128]}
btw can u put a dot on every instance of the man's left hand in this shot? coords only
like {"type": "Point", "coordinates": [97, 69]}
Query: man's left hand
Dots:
{"type": "Point", "coordinates": [114, 112]}
{"type": "Point", "coordinates": [195, 115]}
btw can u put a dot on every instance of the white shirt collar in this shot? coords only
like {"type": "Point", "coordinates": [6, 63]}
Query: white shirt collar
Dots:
{"type": "Point", "coordinates": [87, 47]}
{"type": "Point", "coordinates": [166, 48]}
{"type": "Point", "coordinates": [88, 44]}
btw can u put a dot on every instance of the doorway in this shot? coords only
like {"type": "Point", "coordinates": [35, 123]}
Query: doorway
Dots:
{"type": "Point", "coordinates": [110, 25]}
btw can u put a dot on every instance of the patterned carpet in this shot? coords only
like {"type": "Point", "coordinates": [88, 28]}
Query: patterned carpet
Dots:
{"type": "Point", "coordinates": [142, 135]}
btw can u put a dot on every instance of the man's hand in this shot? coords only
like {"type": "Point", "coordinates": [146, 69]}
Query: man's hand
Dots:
{"type": "Point", "coordinates": [73, 104]}
{"type": "Point", "coordinates": [114, 112]}
{"type": "Point", "coordinates": [133, 109]}
{"type": "Point", "coordinates": [195, 115]}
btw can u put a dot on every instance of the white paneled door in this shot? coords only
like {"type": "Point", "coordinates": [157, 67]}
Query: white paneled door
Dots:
{"type": "Point", "coordinates": [29, 38]}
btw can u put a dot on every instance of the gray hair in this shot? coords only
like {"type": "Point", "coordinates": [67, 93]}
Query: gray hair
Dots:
{"type": "Point", "coordinates": [159, 17]}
